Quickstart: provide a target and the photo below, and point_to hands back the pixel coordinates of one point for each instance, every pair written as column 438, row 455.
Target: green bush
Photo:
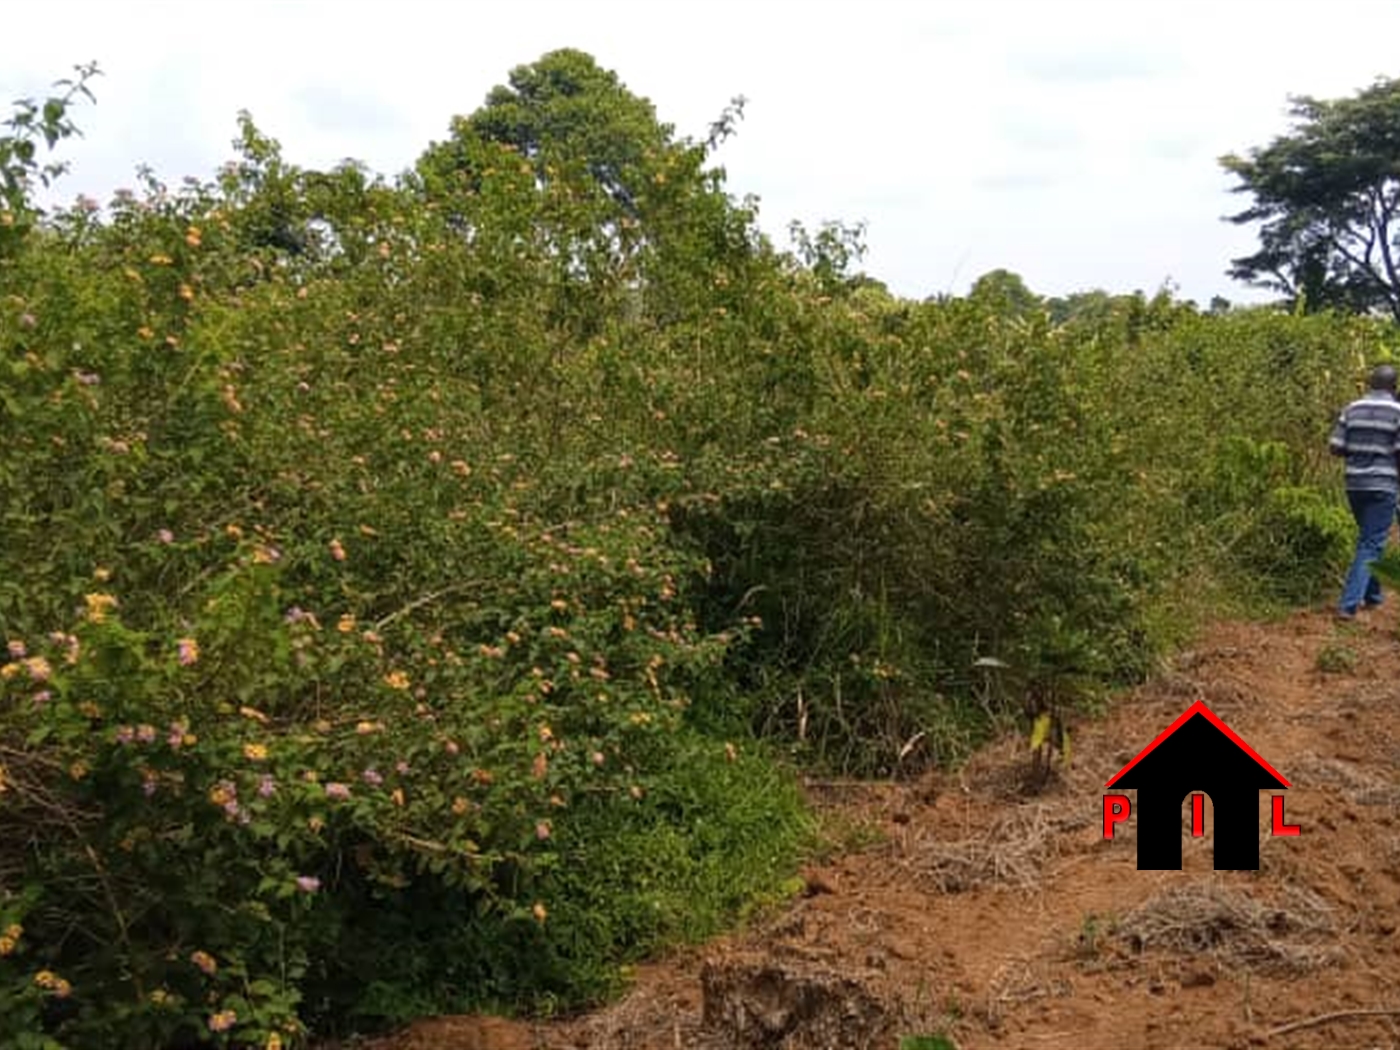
column 283, row 796
column 415, row 590
column 1300, row 545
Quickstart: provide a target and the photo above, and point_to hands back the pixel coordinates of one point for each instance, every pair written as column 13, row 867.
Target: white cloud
column 1075, row 143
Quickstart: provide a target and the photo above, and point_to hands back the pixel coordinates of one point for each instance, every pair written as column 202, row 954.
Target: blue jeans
column 1373, row 512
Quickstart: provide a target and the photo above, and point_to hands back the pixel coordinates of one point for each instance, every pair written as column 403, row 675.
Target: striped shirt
column 1367, row 433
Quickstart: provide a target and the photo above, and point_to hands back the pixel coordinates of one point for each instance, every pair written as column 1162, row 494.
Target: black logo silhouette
column 1196, row 753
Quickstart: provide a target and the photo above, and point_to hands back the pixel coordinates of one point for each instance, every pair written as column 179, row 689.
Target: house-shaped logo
column 1196, row 753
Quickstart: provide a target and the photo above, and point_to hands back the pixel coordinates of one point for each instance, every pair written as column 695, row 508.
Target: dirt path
column 1009, row 922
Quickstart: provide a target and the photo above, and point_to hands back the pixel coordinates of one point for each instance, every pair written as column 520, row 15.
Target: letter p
column 1116, row 809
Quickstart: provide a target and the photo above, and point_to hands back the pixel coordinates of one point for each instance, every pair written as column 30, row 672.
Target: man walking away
column 1367, row 434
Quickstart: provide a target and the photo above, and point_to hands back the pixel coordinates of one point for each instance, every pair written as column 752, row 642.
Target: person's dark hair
column 1383, row 378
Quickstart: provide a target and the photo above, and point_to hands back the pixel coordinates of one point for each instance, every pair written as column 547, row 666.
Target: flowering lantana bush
column 207, row 816
column 310, row 719
column 402, row 583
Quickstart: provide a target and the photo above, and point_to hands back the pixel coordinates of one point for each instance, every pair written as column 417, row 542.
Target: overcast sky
column 1072, row 142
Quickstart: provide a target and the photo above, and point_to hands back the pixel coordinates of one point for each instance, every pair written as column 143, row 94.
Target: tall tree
column 565, row 108
column 617, row 199
column 1327, row 195
column 1005, row 292
column 579, row 131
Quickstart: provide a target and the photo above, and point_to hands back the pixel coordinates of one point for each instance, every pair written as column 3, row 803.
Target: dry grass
column 1013, row 851
column 1019, row 981
column 633, row 1022
column 1355, row 784
column 1207, row 918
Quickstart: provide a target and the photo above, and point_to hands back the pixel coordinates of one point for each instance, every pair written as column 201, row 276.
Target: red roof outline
column 1198, row 708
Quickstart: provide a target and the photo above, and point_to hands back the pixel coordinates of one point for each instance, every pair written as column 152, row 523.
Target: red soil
column 1003, row 919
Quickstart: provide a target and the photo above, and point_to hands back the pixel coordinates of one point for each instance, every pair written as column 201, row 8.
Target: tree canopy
column 604, row 187
column 1327, row 195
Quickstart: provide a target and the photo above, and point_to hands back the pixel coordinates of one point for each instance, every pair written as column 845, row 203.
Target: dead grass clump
column 1019, row 981
column 637, row 1021
column 1196, row 659
column 754, row 1001
column 1231, row 697
column 1206, row 918
column 1278, row 858
column 1352, row 782
column 1013, row 851
column 1388, row 853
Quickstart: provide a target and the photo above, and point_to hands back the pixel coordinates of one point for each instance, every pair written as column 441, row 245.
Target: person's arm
column 1337, row 443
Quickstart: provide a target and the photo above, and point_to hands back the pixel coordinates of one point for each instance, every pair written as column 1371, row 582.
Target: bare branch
column 1340, row 1015
column 1386, row 209
column 426, row 599
column 1363, row 265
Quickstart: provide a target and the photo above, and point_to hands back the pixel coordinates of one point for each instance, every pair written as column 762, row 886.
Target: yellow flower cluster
column 98, row 605
column 9, row 940
column 220, row 796
column 205, row 962
column 39, row 669
column 52, row 982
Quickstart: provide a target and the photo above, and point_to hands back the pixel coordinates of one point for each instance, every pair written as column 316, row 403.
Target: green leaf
column 39, row 734
column 927, row 1042
column 1040, row 732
